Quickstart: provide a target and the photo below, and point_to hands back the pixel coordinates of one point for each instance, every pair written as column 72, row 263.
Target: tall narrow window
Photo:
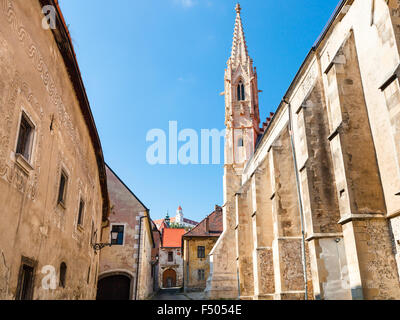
column 80, row 212
column 26, row 280
column 62, row 188
column 120, row 238
column 200, row 274
column 63, row 274
column 88, row 276
column 240, row 142
column 170, row 256
column 240, row 91
column 201, row 252
column 25, row 137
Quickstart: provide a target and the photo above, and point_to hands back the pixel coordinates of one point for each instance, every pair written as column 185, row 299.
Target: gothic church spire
column 239, row 46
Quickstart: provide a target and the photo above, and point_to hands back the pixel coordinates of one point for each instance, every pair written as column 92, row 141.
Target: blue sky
column 145, row 63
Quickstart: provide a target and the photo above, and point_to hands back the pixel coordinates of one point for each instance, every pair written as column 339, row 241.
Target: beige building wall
column 176, row 265
column 36, row 230
column 146, row 277
column 191, row 262
column 132, row 258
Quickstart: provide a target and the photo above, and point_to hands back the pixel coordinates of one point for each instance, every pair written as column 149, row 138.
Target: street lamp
column 99, row 246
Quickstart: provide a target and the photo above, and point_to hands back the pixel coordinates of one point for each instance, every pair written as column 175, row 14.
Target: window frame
column 201, row 274
column 240, row 142
column 201, row 252
column 32, row 264
column 31, row 138
column 81, row 213
column 123, row 233
column 170, row 254
column 240, row 91
column 62, row 279
column 63, row 200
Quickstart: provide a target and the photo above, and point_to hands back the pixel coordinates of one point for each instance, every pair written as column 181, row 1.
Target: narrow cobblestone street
column 177, row 294
column 170, row 294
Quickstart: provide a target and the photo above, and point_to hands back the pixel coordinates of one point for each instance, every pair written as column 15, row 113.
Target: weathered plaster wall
column 146, row 279
column 128, row 211
column 33, row 79
column 192, row 263
column 343, row 110
column 176, row 264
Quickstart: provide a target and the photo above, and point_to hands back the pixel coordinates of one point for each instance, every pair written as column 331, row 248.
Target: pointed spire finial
column 239, row 46
column 238, row 8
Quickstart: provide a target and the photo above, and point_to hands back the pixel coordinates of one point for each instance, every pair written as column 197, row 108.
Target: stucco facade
column 170, row 262
column 46, row 132
column 130, row 254
column 312, row 207
column 196, row 246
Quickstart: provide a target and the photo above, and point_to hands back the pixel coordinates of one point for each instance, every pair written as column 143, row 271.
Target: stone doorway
column 116, row 287
column 169, row 278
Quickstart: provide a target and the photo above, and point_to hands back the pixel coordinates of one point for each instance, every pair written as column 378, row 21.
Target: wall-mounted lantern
column 99, row 246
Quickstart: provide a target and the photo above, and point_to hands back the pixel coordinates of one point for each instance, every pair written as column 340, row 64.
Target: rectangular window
column 201, row 252
column 62, row 188
column 25, row 137
column 170, row 256
column 80, row 213
column 200, row 274
column 26, row 280
column 120, row 238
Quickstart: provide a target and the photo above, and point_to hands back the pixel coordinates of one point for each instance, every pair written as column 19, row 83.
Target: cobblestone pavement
column 170, row 294
column 177, row 294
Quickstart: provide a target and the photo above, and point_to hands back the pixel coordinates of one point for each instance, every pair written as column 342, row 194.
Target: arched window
column 240, row 91
column 63, row 274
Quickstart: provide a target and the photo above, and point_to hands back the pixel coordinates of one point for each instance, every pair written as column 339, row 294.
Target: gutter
column 138, row 261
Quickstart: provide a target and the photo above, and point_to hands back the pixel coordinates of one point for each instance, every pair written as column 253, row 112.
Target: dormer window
column 240, row 91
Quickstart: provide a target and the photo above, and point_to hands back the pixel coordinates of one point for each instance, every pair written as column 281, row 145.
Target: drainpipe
column 138, row 262
column 300, row 202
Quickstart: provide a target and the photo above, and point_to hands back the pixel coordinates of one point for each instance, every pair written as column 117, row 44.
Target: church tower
column 242, row 122
column 179, row 216
column 242, row 119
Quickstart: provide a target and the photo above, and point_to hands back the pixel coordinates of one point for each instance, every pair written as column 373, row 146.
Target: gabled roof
column 172, row 238
column 211, row 226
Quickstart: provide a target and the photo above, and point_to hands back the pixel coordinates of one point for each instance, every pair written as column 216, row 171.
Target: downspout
column 300, row 202
column 138, row 262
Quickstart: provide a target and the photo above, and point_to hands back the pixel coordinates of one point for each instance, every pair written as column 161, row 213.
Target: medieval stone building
column 312, row 198
column 126, row 269
column 53, row 187
column 171, row 258
column 196, row 246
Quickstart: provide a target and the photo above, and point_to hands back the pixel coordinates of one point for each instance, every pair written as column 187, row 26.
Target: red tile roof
column 211, row 226
column 172, row 238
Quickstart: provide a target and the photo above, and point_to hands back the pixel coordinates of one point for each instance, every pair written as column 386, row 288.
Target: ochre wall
column 33, row 79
